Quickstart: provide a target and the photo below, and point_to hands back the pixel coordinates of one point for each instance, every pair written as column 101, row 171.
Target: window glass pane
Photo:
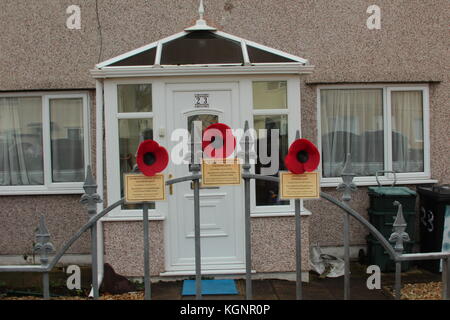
column 21, row 152
column 67, row 140
column 201, row 47
column 134, row 98
column 131, row 133
column 142, row 59
column 261, row 56
column 352, row 122
column 270, row 95
column 407, row 131
column 267, row 191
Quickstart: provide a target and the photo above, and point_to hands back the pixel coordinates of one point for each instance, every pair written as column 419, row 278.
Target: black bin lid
column 439, row 193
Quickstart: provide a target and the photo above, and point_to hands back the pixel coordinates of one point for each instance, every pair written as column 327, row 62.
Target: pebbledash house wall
column 38, row 52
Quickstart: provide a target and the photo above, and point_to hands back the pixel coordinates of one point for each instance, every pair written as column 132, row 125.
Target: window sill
column 333, row 184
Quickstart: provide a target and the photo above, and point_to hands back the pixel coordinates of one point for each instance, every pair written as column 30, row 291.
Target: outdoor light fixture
column 151, row 158
column 218, row 141
column 302, row 156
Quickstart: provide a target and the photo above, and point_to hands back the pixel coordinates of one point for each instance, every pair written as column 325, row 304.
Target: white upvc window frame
column 50, row 187
column 294, row 123
column 385, row 179
column 112, row 117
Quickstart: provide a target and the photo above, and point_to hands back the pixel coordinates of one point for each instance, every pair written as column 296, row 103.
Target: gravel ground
column 420, row 291
column 126, row 296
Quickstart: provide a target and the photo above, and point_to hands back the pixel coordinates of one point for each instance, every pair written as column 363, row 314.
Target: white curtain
column 407, row 131
column 352, row 122
column 21, row 161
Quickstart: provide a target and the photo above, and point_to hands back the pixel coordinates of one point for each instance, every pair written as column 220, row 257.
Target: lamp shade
column 302, row 156
column 151, row 158
column 218, row 141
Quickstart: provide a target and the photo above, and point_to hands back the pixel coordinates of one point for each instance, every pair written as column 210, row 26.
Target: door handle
column 170, row 186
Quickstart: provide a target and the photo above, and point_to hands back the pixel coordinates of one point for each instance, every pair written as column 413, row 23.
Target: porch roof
column 197, row 48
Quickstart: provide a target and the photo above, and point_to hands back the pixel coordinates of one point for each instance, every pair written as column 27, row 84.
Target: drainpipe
column 99, row 105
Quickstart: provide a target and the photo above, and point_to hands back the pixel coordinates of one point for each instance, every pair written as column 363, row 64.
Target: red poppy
column 218, row 141
column 151, row 158
column 302, row 156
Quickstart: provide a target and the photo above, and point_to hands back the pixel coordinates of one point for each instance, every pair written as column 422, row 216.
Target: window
column 269, row 114
column 382, row 128
column 42, row 143
column 135, row 124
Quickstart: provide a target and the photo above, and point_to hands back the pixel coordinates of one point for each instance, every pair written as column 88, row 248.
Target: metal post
column 248, row 243
column 248, row 228
column 45, row 286
column 398, row 280
column 346, row 256
column 91, row 199
column 347, row 186
column 198, row 256
column 445, row 279
column 298, row 249
column 147, row 285
column 94, row 261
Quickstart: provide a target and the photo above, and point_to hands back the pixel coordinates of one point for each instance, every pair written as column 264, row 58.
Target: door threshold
column 217, row 272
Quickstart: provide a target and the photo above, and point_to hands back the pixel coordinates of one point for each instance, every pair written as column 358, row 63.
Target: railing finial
column 399, row 234
column 347, row 185
column 90, row 197
column 43, row 245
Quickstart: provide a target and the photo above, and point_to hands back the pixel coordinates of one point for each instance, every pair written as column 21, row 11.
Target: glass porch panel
column 267, row 191
column 407, row 131
column 201, row 47
column 134, row 98
column 21, row 148
column 270, row 95
column 131, row 133
column 67, row 140
column 352, row 122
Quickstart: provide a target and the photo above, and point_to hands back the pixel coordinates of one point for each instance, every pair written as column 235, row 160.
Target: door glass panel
column 206, row 119
column 134, row 98
column 131, row 133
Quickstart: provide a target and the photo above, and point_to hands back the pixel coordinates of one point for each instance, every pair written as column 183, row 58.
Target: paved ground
column 317, row 289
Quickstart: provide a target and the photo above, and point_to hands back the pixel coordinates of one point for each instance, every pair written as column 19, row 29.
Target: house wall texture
column 38, row 51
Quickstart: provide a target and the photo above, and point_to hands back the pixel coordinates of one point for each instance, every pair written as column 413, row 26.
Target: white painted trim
column 99, row 107
column 149, row 71
column 402, row 178
column 49, row 187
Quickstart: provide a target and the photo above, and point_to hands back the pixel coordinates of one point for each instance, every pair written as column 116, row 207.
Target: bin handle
column 384, row 171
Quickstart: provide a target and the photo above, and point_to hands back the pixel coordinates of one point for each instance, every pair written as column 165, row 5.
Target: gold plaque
column 299, row 186
column 221, row 172
column 141, row 188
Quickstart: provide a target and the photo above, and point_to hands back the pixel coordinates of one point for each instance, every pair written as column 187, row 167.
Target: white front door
column 221, row 209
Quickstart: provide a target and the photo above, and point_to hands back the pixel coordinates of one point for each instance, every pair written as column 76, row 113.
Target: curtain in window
column 21, row 157
column 407, row 131
column 352, row 122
